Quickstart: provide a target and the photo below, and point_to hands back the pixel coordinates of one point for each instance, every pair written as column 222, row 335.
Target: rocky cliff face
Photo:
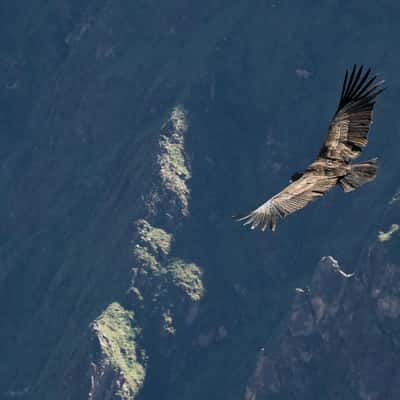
column 130, row 133
column 340, row 339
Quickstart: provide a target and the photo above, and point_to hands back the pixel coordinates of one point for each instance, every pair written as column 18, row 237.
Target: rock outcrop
column 340, row 338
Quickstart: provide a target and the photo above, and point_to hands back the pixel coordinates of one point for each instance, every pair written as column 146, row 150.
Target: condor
column 347, row 135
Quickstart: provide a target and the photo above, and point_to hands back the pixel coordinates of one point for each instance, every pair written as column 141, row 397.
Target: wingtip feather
column 357, row 87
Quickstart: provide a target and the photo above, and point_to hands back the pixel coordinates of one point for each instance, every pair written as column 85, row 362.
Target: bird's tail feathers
column 359, row 175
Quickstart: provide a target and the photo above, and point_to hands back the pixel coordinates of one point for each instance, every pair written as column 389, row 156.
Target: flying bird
column 347, row 136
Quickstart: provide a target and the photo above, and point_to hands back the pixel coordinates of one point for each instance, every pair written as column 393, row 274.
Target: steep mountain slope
column 130, row 135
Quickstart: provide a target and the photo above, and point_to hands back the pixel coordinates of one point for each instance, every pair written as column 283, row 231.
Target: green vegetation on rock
column 157, row 239
column 145, row 258
column 155, row 242
column 117, row 338
column 168, row 322
column 187, row 276
column 173, row 166
column 385, row 236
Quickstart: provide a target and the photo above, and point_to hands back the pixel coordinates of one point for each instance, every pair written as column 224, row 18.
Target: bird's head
column 295, row 176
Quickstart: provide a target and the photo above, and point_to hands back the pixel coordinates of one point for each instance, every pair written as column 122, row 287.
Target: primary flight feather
column 347, row 135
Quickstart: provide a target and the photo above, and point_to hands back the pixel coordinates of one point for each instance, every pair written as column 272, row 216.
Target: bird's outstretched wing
column 294, row 197
column 348, row 130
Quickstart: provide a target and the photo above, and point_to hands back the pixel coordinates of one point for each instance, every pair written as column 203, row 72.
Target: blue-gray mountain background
column 130, row 132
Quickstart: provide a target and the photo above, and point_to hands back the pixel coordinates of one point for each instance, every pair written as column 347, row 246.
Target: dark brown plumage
column 347, row 135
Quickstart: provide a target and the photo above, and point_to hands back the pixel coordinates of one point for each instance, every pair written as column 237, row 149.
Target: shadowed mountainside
column 130, row 133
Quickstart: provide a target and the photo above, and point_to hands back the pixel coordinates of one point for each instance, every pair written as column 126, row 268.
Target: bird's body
column 328, row 167
column 347, row 135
